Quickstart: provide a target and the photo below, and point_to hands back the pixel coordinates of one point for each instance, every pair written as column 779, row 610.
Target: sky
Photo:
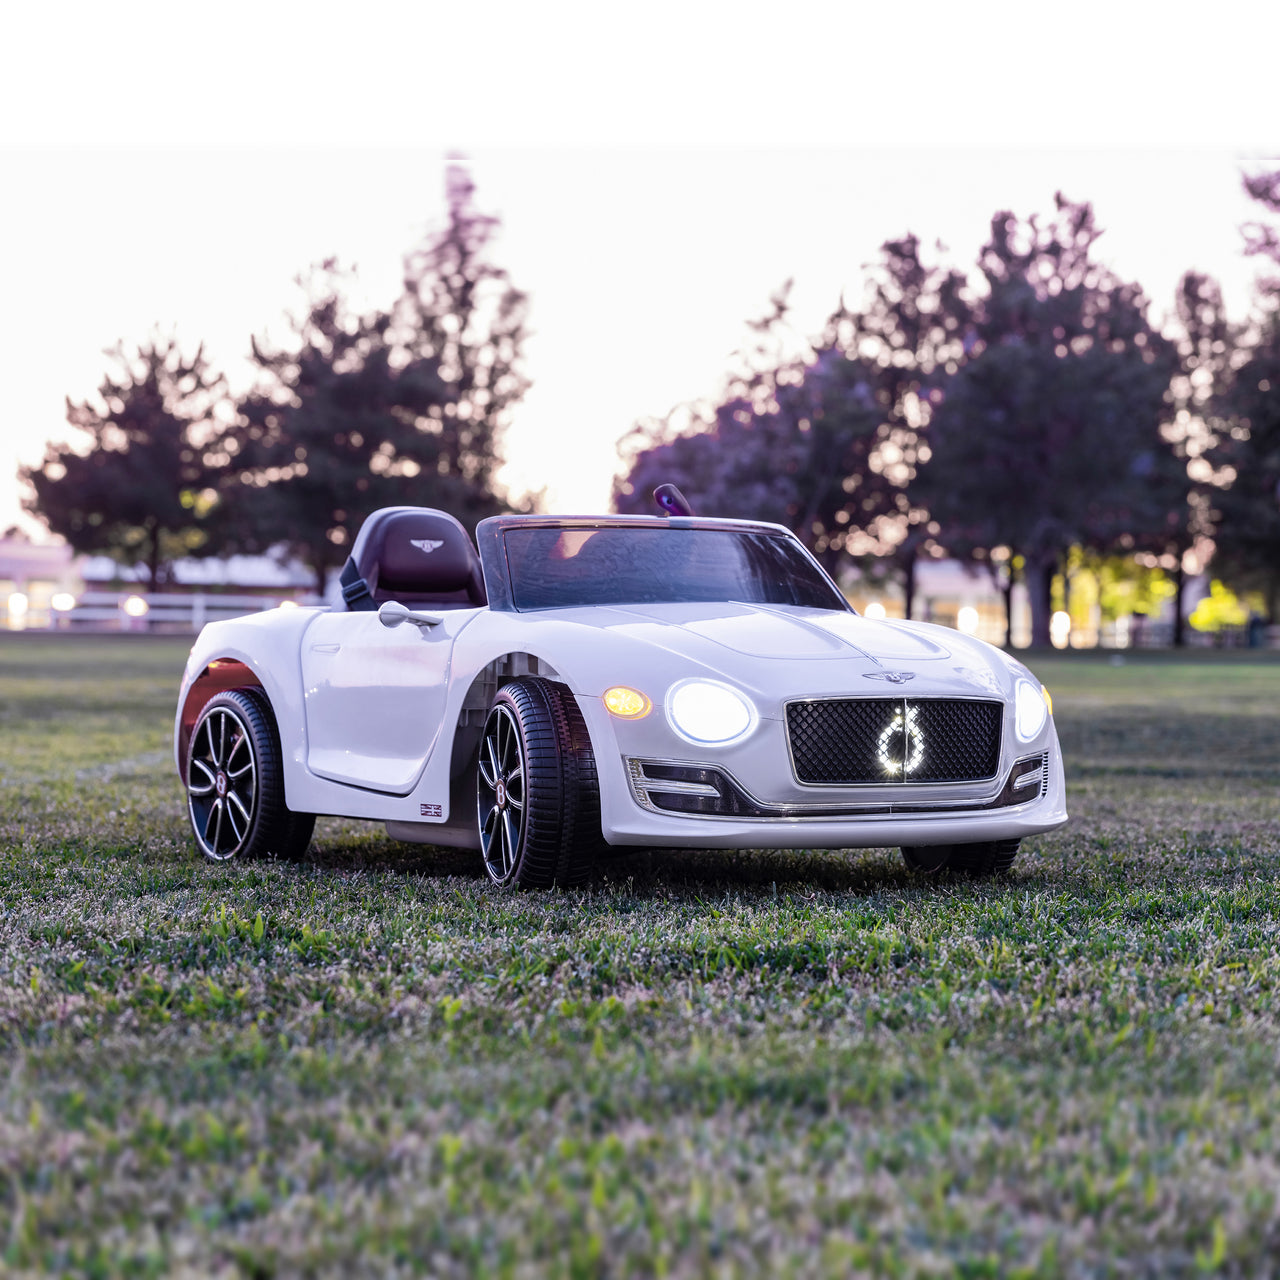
column 659, row 172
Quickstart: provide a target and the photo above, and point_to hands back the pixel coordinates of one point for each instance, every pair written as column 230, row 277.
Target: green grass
column 747, row 1063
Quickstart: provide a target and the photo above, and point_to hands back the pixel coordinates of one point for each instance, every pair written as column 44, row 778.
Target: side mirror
column 393, row 613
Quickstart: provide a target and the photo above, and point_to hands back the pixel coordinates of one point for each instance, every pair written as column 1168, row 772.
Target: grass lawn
column 746, row 1063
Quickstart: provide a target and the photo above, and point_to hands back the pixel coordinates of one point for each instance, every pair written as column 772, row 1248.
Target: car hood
column 760, row 631
column 777, row 652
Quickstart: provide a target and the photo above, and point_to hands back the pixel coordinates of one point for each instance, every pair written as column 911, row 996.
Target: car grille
column 851, row 740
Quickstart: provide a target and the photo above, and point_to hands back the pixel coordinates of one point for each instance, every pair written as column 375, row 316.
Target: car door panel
column 375, row 697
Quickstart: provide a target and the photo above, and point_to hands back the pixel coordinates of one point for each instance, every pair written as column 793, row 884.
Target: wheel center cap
column 220, row 783
column 502, row 794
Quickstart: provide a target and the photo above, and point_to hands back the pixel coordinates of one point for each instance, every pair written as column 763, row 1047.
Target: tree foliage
column 910, row 330
column 1262, row 237
column 1243, row 459
column 1023, row 419
column 1246, row 454
column 461, row 311
column 404, row 406
column 140, row 492
column 1048, row 435
column 826, row 442
column 800, row 458
column 340, row 424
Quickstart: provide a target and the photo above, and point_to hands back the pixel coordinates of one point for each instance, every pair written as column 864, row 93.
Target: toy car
column 587, row 683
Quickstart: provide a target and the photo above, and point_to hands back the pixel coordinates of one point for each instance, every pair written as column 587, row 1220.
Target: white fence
column 157, row 611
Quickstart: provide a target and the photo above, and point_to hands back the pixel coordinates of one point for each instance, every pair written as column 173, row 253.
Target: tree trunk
column 153, row 559
column 1064, row 564
column 909, row 583
column 1038, row 575
column 1003, row 583
column 1179, row 622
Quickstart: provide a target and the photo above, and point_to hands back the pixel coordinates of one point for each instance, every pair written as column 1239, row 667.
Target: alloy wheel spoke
column 234, row 803
column 214, row 821
column 208, row 820
column 508, row 844
column 206, row 784
column 511, row 754
column 489, row 763
column 212, row 746
column 500, row 743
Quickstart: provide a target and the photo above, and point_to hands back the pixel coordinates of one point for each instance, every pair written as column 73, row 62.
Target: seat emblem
column 426, row 544
column 893, row 677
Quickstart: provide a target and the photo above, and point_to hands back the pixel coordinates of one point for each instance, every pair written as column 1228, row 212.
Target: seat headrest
column 421, row 551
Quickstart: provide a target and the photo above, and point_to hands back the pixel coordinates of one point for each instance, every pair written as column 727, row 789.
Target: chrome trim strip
column 1020, row 773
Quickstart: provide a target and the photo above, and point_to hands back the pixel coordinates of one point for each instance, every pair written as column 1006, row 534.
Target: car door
column 375, row 696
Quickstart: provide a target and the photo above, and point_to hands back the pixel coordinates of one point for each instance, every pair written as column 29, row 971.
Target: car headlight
column 1030, row 710
column 705, row 711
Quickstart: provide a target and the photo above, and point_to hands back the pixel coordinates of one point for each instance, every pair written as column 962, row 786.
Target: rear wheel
column 537, row 796
column 987, row 858
column 235, row 784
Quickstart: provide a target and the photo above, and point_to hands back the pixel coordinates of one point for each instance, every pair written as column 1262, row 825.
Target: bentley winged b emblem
column 893, row 677
column 426, row 544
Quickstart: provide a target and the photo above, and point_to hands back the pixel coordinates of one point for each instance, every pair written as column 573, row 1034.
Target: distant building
column 32, row 575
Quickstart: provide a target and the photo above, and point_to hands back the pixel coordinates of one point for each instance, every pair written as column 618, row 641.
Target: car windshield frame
column 536, row 564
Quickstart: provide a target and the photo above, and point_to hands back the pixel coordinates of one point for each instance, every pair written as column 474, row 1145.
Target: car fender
column 267, row 645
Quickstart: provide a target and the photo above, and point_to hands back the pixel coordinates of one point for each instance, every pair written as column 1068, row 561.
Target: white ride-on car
column 609, row 681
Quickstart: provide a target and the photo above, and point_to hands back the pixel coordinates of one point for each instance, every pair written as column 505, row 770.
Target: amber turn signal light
column 626, row 704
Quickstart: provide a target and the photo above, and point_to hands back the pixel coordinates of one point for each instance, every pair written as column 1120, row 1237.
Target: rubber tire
column 273, row 827
column 987, row 858
column 560, row 839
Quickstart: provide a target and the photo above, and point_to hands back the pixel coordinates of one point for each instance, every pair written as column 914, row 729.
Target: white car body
column 382, row 722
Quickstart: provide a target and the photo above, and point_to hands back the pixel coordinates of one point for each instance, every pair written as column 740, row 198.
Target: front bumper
column 685, row 807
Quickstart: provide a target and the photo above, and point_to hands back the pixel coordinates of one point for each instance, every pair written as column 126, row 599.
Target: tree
column 141, row 493
column 802, row 458
column 910, row 330
column 341, row 424
column 825, row 442
column 1206, row 346
column 1246, row 454
column 462, row 312
column 402, row 406
column 1244, row 458
column 1261, row 237
column 1048, row 436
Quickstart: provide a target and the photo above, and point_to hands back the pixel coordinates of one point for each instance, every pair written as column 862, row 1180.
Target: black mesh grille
column 850, row 740
column 837, row 740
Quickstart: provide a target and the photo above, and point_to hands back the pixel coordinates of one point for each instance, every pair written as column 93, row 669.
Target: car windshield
column 560, row 568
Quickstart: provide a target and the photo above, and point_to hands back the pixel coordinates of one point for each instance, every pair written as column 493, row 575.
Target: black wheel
column 537, row 796
column 235, row 785
column 988, row 858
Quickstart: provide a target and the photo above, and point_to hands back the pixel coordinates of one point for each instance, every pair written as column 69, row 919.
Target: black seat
column 415, row 555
